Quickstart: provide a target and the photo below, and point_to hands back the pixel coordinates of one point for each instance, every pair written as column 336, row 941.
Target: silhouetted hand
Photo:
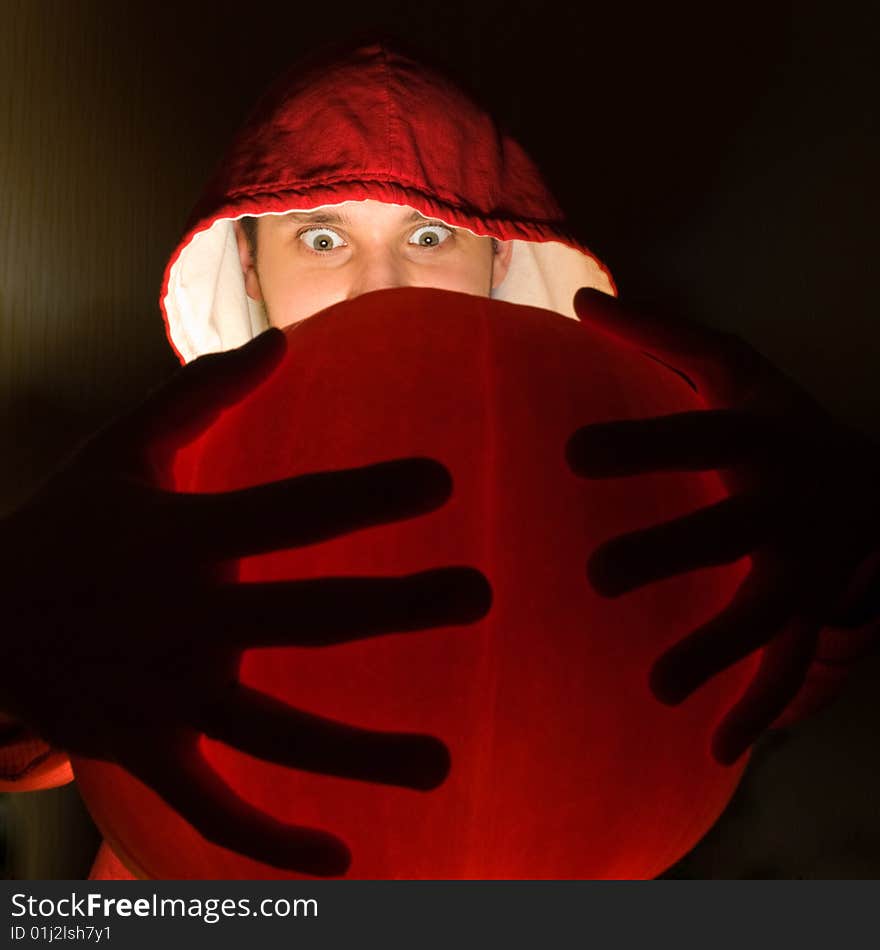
column 804, row 505
column 121, row 641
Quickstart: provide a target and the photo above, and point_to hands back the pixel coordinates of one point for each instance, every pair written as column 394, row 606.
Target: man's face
column 307, row 261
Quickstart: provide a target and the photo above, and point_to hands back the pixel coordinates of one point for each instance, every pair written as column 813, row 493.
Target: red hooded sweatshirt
column 372, row 125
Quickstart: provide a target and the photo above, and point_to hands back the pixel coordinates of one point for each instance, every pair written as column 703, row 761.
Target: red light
column 563, row 765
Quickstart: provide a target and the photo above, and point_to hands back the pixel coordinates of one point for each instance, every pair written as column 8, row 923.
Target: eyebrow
column 334, row 217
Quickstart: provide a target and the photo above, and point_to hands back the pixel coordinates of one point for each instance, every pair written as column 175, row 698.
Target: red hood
column 373, row 124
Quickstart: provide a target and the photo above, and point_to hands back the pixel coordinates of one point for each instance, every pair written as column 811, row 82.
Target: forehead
column 351, row 213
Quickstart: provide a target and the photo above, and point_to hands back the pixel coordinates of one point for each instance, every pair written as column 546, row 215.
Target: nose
column 378, row 271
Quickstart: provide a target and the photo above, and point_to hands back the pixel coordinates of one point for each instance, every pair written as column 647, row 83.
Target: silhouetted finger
column 339, row 609
column 763, row 605
column 682, row 442
column 269, row 729
column 174, row 768
column 718, row 534
column 184, row 406
column 781, row 674
column 306, row 509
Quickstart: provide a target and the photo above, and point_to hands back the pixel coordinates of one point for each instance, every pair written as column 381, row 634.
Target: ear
column 501, row 262
column 248, row 263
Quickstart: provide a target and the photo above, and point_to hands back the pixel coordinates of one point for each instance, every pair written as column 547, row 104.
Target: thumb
column 722, row 366
column 194, row 397
column 664, row 336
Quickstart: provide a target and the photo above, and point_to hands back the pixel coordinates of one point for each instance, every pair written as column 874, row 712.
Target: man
column 364, row 173
column 311, row 260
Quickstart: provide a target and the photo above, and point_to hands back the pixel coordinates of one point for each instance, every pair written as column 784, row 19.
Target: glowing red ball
column 563, row 765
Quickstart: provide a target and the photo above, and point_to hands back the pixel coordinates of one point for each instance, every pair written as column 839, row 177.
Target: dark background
column 719, row 157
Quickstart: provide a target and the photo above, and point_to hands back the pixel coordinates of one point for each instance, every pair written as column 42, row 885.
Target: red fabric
column 108, row 867
column 27, row 763
column 376, row 124
column 563, row 763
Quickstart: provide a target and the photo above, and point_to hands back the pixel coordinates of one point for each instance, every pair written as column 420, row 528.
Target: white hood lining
column 208, row 309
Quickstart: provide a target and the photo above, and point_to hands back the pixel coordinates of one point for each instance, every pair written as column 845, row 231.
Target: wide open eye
column 430, row 235
column 321, row 239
